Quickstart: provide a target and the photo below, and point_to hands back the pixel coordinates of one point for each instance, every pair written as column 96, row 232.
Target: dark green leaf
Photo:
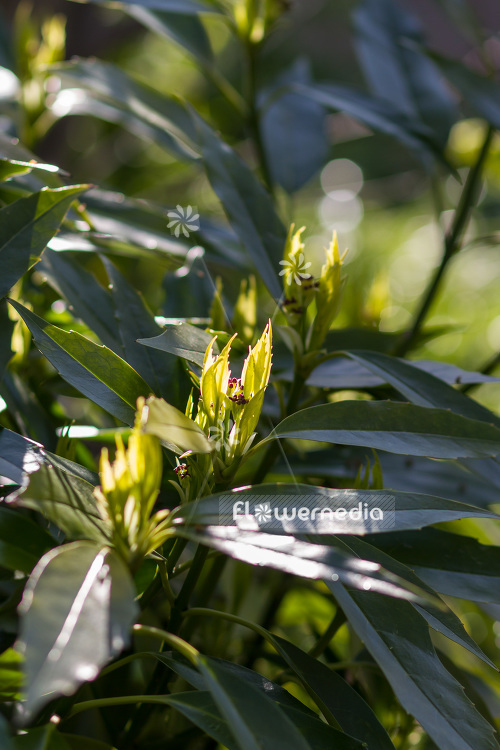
column 334, row 696
column 182, row 340
column 22, row 402
column 248, row 206
column 393, row 427
column 41, row 738
column 387, row 42
column 344, row 374
column 421, row 387
column 428, row 476
column 77, row 742
column 293, row 128
column 6, row 330
column 108, row 93
column 86, row 297
column 27, row 226
column 5, row 737
column 400, row 510
column 299, row 558
column 184, row 28
column 66, row 500
column 256, row 722
column 18, row 456
column 441, row 618
column 380, row 116
column 76, row 614
column 22, row 541
column 94, row 370
column 399, row 641
column 135, row 321
column 452, row 564
column 319, row 734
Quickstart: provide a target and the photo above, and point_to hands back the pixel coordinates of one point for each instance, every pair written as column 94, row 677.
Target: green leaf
column 77, row 742
column 108, row 93
column 378, row 115
column 65, row 500
column 334, row 696
column 299, row 558
column 86, row 298
column 184, row 28
column 249, row 208
column 348, row 373
column 171, row 426
column 5, row 738
column 183, row 340
column 11, row 677
column 422, row 388
column 400, row 510
column 426, row 476
column 6, row 331
column 22, row 541
column 41, row 738
column 442, row 618
column 135, row 321
column 76, row 614
column 20, row 456
column 12, row 167
column 319, row 734
column 393, row 427
column 387, row 41
column 27, row 226
column 293, row 129
column 398, row 639
column 256, row 722
column 94, row 370
column 452, row 564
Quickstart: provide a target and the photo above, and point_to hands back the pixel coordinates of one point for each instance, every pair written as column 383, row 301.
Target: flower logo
column 263, row 512
column 218, row 435
column 294, row 269
column 183, row 220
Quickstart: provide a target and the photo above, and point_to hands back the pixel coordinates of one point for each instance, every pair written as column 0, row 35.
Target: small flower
column 263, row 512
column 183, row 220
column 294, row 268
column 182, row 471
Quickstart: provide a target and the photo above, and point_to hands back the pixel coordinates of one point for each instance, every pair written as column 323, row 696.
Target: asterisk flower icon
column 294, row 268
column 263, row 512
column 183, row 220
column 222, row 438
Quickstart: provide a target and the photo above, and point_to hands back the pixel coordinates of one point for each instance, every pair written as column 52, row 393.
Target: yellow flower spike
column 257, row 366
column 328, row 295
column 214, row 380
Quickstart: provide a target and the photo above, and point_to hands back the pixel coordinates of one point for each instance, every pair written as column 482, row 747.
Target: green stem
column 253, row 114
column 271, row 453
column 161, row 675
column 324, row 641
column 452, row 243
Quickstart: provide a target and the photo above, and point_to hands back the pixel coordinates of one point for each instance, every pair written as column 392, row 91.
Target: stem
column 452, row 243
column 273, row 450
column 253, row 114
column 323, row 642
column 161, row 674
